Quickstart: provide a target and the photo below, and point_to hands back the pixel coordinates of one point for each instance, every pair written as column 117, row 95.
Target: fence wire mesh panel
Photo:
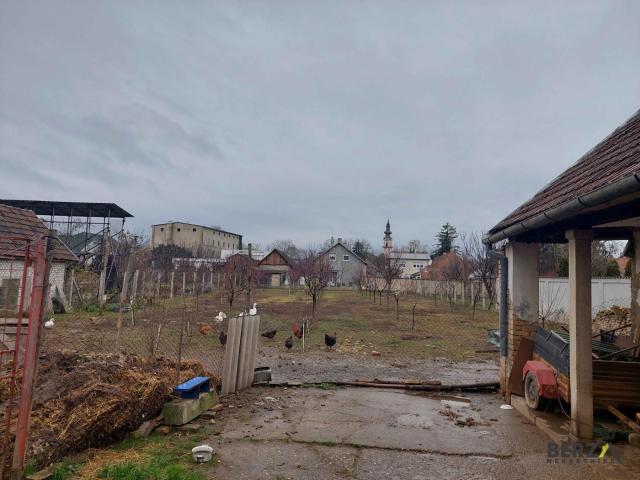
column 413, row 335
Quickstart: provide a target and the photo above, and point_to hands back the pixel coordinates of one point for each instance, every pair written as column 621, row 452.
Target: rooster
column 298, row 330
column 330, row 340
column 223, row 338
column 289, row 342
column 204, row 329
column 270, row 333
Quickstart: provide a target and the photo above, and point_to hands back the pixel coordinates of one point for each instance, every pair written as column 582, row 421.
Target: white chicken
column 254, row 310
column 220, row 317
column 49, row 323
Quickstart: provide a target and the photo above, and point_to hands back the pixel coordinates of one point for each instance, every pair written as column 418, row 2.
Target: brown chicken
column 204, row 329
column 223, row 338
column 298, row 330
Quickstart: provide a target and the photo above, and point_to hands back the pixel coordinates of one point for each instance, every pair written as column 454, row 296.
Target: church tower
column 388, row 242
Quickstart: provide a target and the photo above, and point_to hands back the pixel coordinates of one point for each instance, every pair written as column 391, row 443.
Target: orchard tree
column 316, row 273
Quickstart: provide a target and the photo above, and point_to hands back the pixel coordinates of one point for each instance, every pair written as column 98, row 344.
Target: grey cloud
column 306, row 119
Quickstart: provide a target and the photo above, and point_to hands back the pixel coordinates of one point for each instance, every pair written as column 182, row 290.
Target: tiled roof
column 613, row 159
column 17, row 222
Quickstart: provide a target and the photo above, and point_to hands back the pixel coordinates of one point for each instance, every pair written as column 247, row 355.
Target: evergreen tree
column 446, row 240
column 563, row 267
column 613, row 269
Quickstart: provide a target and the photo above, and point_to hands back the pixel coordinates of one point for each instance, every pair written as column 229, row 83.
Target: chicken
column 223, row 338
column 49, row 323
column 330, row 340
column 270, row 333
column 204, row 329
column 220, row 317
column 254, row 309
column 298, row 330
column 289, row 342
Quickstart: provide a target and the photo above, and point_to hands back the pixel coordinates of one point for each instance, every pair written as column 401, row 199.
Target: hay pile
column 84, row 401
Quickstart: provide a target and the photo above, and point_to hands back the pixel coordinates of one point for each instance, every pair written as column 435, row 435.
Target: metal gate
column 24, row 283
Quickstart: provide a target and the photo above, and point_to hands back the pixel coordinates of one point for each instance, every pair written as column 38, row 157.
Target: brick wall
column 10, row 281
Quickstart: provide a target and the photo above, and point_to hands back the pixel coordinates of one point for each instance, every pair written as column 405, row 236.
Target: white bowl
column 201, row 453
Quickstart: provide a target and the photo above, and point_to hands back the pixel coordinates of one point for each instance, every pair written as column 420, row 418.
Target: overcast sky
column 306, row 119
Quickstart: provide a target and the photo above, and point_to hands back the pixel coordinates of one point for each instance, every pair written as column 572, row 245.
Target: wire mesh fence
column 179, row 329
column 409, row 336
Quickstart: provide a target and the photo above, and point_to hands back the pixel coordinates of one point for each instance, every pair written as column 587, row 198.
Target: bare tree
column 481, row 264
column 236, row 275
column 452, row 274
column 360, row 281
column 388, row 270
column 316, row 272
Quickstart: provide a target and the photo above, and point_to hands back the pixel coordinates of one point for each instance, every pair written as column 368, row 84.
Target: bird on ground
column 223, row 338
column 330, row 340
column 49, row 323
column 204, row 329
column 270, row 333
column 241, row 314
column 289, row 342
column 220, row 317
column 254, row 309
column 298, row 330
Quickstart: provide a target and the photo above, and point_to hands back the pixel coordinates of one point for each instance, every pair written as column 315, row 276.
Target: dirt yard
column 346, row 433
column 444, row 344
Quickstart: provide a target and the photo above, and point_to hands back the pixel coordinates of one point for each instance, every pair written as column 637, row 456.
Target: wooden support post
column 184, row 282
column 580, row 360
column 203, row 284
column 173, row 274
column 158, row 285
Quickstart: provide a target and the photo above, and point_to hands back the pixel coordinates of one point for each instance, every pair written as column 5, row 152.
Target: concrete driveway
column 362, row 433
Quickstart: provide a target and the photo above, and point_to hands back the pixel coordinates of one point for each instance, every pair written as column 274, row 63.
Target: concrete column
column 580, row 368
column 523, row 292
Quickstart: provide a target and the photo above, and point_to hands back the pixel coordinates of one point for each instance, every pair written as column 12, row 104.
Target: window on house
column 178, row 229
column 345, row 258
column 194, row 229
column 332, row 257
column 162, row 229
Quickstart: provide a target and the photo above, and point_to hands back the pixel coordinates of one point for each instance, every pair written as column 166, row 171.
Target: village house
column 345, row 265
column 21, row 223
column 275, row 267
column 201, row 240
column 597, row 198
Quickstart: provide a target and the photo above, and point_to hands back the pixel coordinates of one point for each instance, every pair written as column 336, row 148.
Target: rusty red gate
column 24, row 284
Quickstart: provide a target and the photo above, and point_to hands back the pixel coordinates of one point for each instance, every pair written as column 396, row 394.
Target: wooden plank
column 525, row 353
column 624, row 419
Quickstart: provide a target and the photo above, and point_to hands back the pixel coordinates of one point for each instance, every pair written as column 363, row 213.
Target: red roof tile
column 17, row 222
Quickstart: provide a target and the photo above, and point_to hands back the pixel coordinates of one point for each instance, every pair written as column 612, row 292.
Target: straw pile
column 84, row 401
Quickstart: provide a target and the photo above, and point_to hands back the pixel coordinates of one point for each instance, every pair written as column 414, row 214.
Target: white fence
column 605, row 292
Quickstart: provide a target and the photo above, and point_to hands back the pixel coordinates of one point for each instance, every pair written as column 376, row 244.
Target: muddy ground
column 318, row 367
column 366, row 434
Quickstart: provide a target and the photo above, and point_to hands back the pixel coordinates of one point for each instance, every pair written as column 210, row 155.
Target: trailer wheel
column 531, row 395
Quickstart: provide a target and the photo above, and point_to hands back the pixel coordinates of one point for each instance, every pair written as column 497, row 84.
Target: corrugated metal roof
column 18, row 222
column 613, row 159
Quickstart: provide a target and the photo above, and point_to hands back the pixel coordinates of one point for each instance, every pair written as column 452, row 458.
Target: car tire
column 531, row 392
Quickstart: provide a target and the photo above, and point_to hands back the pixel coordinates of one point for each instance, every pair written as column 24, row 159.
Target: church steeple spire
column 388, row 242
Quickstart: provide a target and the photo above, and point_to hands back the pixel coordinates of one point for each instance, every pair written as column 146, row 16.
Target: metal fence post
column 184, row 282
column 171, row 290
column 37, row 311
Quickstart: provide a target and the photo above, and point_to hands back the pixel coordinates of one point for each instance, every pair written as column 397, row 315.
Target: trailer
column 616, row 371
